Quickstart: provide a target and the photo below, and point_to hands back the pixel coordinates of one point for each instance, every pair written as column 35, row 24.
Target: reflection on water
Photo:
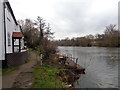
column 101, row 66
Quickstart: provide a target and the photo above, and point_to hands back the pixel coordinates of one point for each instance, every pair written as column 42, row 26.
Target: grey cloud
column 79, row 18
column 74, row 17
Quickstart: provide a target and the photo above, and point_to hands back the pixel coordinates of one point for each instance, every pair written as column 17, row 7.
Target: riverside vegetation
column 53, row 74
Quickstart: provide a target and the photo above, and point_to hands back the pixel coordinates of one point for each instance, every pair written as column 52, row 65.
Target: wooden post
column 76, row 60
column 41, row 56
column 71, row 57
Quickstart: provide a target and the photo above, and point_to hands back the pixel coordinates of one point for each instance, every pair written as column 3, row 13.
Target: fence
column 70, row 57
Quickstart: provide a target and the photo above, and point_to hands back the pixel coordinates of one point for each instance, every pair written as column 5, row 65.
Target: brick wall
column 15, row 59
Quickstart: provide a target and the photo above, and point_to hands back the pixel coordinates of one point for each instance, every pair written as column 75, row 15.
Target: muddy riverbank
column 70, row 71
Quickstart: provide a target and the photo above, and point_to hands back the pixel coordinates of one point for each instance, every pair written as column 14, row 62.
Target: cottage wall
column 2, row 46
column 10, row 28
column 9, row 58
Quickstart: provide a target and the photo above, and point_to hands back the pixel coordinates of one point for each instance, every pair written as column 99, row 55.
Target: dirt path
column 22, row 77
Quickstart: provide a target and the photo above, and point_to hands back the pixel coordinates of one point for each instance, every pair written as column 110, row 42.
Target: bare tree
column 48, row 34
column 110, row 29
column 40, row 23
column 39, row 36
column 112, row 36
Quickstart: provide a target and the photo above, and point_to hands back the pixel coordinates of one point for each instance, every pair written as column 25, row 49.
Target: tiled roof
column 17, row 34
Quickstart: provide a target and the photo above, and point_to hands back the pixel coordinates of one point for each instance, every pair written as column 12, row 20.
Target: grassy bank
column 45, row 77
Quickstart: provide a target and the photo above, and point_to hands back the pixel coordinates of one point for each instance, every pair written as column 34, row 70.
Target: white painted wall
column 10, row 28
column 2, row 46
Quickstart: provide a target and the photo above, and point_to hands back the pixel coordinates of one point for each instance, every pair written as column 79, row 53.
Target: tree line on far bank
column 110, row 38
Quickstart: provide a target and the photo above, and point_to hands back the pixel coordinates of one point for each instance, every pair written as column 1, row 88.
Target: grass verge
column 45, row 77
column 9, row 69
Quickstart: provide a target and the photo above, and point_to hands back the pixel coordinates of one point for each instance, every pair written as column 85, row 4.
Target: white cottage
column 11, row 37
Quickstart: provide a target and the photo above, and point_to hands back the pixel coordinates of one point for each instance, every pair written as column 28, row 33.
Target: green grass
column 45, row 77
column 37, row 52
column 30, row 49
column 9, row 69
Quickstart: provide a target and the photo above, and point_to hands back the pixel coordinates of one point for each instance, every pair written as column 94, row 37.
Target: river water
column 101, row 66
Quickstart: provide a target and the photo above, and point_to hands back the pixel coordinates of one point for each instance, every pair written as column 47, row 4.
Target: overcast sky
column 69, row 18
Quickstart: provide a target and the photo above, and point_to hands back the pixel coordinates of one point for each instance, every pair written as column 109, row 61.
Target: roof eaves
column 11, row 11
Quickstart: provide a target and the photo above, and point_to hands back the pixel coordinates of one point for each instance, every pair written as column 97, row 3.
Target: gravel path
column 22, row 77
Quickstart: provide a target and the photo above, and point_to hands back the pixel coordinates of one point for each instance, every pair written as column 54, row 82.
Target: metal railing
column 69, row 56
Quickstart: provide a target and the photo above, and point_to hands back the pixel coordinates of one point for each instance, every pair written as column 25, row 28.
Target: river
column 101, row 66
